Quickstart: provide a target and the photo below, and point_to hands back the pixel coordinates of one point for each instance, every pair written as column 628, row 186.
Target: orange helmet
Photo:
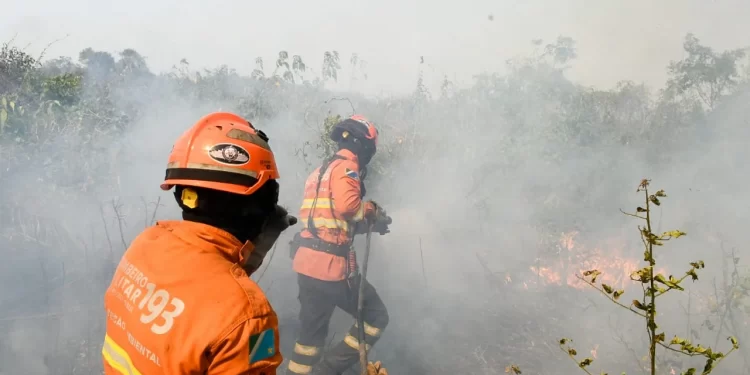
column 358, row 126
column 224, row 152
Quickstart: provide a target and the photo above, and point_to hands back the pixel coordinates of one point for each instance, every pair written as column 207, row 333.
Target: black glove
column 360, row 227
column 279, row 221
column 382, row 226
column 377, row 227
column 378, row 214
column 379, row 219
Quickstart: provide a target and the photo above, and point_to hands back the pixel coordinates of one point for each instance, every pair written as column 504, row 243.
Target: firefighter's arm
column 347, row 194
column 251, row 348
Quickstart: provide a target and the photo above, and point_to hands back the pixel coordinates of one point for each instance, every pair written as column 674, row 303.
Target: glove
column 376, row 369
column 376, row 213
column 361, row 227
column 379, row 219
column 382, row 226
column 378, row 227
column 279, row 221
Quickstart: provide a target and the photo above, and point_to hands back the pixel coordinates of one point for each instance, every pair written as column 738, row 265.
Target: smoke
column 481, row 184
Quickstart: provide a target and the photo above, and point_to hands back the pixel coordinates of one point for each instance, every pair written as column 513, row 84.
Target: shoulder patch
column 351, row 174
column 262, row 346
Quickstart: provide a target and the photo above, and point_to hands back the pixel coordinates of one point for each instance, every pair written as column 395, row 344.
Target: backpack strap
column 323, row 168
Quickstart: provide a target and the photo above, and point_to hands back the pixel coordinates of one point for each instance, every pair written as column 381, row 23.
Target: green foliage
column 327, row 146
column 331, row 65
column 323, row 145
column 654, row 285
column 703, row 73
column 15, row 68
column 513, row 369
column 8, row 111
column 101, row 62
column 561, row 52
column 358, row 67
column 27, row 93
column 289, row 72
column 131, row 63
column 64, row 89
column 258, row 72
column 532, row 110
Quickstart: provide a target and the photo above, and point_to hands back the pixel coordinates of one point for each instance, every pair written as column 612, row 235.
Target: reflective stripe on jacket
column 331, row 210
column 180, row 303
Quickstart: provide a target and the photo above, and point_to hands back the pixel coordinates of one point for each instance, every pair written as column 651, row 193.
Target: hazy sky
column 617, row 39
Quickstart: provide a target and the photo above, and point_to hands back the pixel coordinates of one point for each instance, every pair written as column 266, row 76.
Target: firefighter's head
column 224, row 174
column 357, row 135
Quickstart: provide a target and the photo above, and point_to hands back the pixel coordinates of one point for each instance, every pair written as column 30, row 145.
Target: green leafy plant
column 326, row 146
column 8, row 108
column 513, row 369
column 654, row 285
column 331, row 65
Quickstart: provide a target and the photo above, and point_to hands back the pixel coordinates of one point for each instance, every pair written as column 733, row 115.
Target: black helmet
column 358, row 127
column 358, row 135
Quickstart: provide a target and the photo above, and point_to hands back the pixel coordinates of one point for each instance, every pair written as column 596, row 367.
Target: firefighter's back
column 174, row 299
column 328, row 209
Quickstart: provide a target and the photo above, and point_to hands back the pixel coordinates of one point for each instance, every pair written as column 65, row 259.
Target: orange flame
column 575, row 259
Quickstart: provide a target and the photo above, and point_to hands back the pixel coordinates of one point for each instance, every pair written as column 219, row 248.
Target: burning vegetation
column 613, row 258
column 607, row 275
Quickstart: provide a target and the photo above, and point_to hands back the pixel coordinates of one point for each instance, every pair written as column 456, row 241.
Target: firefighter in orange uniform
column 181, row 301
column 332, row 212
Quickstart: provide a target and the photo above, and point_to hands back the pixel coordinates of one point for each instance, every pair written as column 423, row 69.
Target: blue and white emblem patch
column 352, row 174
column 262, row 346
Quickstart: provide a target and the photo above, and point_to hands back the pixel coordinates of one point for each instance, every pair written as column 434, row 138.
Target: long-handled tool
column 361, row 302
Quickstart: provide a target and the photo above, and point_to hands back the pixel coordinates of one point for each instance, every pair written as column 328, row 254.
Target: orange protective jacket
column 336, row 210
column 180, row 303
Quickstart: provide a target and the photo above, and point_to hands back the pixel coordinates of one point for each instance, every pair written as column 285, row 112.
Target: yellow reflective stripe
column 309, row 351
column 299, row 369
column 370, row 330
column 354, row 343
column 360, row 214
column 320, row 203
column 117, row 357
column 327, row 223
